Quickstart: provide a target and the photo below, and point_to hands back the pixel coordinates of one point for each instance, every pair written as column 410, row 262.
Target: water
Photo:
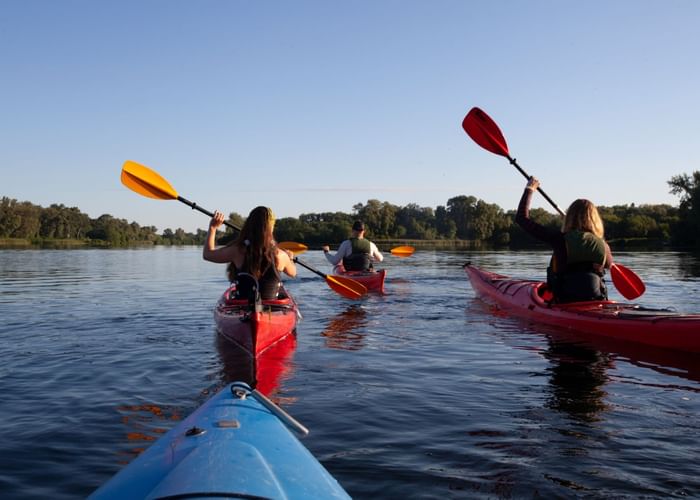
column 422, row 393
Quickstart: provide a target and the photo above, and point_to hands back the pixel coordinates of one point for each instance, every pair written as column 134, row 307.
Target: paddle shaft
column 194, row 206
column 304, row 264
column 527, row 176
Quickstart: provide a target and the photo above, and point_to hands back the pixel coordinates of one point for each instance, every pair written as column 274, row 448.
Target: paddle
column 346, row 287
column 484, row 131
column 293, row 246
column 403, row 251
column 151, row 184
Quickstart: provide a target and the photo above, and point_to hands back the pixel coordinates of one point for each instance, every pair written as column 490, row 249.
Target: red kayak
column 372, row 280
column 255, row 326
column 620, row 321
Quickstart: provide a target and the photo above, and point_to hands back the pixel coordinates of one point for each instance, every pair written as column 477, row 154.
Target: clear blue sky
column 314, row 106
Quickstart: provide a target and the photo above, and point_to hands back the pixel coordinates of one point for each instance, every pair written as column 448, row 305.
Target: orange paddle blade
column 626, row 281
column 293, row 246
column 404, row 251
column 346, row 287
column 146, row 182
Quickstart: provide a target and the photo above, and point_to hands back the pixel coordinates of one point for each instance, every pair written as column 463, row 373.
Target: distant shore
column 648, row 244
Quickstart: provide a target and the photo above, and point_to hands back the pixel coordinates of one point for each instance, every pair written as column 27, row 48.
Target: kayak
column 238, row 444
column 255, row 326
column 615, row 320
column 372, row 280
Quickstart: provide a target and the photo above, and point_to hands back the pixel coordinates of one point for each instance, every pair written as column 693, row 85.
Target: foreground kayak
column 255, row 326
column 234, row 446
column 372, row 280
column 620, row 321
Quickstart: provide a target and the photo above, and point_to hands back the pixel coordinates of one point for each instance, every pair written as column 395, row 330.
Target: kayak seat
column 245, row 288
column 244, row 292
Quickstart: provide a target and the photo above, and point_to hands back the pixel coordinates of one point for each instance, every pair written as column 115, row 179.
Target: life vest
column 582, row 277
column 267, row 286
column 358, row 260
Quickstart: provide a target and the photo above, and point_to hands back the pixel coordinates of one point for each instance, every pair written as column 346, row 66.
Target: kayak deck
column 236, row 445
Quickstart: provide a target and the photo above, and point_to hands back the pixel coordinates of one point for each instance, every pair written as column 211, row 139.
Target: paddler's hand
column 216, row 221
column 532, row 184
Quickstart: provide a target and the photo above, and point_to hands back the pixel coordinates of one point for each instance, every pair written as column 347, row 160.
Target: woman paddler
column 253, row 253
column 580, row 254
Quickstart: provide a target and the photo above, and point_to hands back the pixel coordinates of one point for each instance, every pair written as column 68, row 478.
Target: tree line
column 463, row 218
column 27, row 221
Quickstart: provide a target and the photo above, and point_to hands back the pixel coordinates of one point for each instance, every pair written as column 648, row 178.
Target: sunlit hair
column 257, row 242
column 583, row 215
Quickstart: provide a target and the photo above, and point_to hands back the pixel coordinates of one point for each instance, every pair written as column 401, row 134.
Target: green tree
column 688, row 188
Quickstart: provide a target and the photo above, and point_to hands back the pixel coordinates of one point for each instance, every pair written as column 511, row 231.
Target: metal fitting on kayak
column 240, row 390
column 194, row 431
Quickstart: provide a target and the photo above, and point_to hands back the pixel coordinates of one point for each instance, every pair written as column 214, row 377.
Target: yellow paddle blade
column 346, row 287
column 293, row 246
column 146, row 182
column 405, row 251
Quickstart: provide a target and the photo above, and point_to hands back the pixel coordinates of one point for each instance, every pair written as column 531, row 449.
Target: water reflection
column 583, row 348
column 681, row 364
column 689, row 264
column 144, row 424
column 345, row 330
column 577, row 378
column 263, row 373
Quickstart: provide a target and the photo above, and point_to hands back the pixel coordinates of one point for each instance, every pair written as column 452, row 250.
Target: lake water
column 422, row 393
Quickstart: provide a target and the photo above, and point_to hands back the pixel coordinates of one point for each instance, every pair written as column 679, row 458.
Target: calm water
column 422, row 393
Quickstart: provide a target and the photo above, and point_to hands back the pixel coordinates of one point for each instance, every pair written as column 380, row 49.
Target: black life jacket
column 267, row 286
column 582, row 277
column 359, row 259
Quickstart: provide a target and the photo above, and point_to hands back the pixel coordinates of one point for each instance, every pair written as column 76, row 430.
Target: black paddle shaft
column 525, row 174
column 194, row 206
column 304, row 264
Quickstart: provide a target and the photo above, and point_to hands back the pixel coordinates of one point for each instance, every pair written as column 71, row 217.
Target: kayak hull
column 233, row 446
column 610, row 319
column 372, row 280
column 255, row 328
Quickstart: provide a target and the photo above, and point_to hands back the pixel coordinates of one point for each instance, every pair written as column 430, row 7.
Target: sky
column 316, row 106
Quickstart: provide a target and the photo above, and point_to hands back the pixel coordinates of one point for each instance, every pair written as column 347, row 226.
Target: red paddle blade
column 626, row 281
column 484, row 131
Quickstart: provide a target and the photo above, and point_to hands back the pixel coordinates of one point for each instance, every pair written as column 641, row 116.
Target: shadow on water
column 263, row 373
column 344, row 331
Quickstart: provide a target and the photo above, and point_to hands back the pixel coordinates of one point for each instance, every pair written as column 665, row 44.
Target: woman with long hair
column 580, row 253
column 254, row 252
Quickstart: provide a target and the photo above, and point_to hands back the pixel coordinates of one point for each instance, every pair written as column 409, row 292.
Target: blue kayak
column 238, row 444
